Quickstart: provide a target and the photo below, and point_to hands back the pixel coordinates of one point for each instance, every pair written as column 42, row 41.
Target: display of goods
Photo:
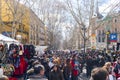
column 8, row 69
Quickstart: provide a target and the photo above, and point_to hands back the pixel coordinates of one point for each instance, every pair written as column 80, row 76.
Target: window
column 31, row 37
column 115, row 30
column 19, row 26
column 115, row 20
column 99, row 36
column 23, row 27
column 103, row 36
column 99, row 39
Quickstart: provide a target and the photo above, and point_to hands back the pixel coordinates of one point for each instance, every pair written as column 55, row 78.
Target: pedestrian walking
column 67, row 70
column 75, row 68
column 56, row 73
column 117, row 68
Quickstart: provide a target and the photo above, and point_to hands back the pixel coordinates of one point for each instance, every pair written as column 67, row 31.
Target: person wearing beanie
column 56, row 73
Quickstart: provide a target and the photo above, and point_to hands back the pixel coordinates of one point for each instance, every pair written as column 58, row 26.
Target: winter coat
column 101, row 62
column 67, row 72
column 75, row 71
column 117, row 70
column 89, row 63
column 56, row 75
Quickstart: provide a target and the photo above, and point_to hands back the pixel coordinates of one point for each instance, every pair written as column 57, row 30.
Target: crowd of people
column 61, row 65
column 24, row 63
column 14, row 60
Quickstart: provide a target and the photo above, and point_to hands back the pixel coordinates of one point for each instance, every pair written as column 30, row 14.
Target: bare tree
column 51, row 12
column 84, row 12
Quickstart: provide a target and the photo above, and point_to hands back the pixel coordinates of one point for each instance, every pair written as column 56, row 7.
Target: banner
column 93, row 41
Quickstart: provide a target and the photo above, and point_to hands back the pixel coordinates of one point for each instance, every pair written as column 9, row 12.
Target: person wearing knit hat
column 56, row 73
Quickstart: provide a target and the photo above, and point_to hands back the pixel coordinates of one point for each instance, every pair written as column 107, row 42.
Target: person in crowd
column 4, row 78
column 75, row 68
column 89, row 65
column 56, row 73
column 94, row 61
column 117, row 68
column 81, row 61
column 45, row 62
column 99, row 74
column 101, row 61
column 50, row 63
column 108, row 67
column 38, row 73
column 1, row 51
column 67, row 70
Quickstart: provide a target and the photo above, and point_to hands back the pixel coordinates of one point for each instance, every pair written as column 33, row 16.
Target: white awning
column 7, row 39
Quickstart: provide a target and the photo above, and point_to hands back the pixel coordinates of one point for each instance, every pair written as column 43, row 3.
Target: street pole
column 108, row 42
column 84, row 38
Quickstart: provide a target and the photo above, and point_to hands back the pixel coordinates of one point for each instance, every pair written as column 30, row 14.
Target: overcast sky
column 106, row 5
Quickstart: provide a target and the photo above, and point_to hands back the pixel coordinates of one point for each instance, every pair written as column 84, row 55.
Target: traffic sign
column 113, row 37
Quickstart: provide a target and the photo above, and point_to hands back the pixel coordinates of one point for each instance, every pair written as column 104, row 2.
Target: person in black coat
column 89, row 65
column 56, row 74
column 67, row 70
column 47, row 68
column 101, row 62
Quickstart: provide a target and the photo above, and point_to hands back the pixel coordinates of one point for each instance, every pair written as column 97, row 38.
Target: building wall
column 22, row 21
column 37, row 30
column 112, row 24
column 14, row 18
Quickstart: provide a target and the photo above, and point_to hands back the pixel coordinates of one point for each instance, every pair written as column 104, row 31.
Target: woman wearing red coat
column 75, row 71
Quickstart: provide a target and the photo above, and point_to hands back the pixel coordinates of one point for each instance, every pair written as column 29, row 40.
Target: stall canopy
column 7, row 39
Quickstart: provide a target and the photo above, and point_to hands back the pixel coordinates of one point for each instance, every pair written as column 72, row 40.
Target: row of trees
column 51, row 12
column 56, row 14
